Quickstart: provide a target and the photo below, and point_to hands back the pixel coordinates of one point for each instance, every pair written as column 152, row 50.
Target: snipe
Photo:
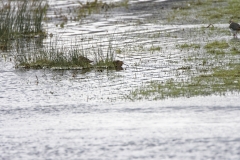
column 118, row 65
column 234, row 27
column 84, row 60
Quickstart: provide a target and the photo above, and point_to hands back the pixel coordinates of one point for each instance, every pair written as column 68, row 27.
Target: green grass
column 217, row 45
column 155, row 48
column 223, row 48
column 213, row 68
column 205, row 11
column 216, row 71
column 235, row 50
column 59, row 57
column 219, row 82
column 53, row 59
column 185, row 45
column 20, row 19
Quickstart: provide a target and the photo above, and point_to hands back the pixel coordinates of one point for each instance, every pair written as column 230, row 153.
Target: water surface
column 73, row 114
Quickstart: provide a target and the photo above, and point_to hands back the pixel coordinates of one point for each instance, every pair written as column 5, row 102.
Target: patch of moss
column 234, row 51
column 185, row 45
column 216, row 51
column 208, row 11
column 218, row 82
column 217, row 45
column 155, row 48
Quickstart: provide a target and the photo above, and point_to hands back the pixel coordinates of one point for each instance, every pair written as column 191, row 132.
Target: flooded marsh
column 123, row 79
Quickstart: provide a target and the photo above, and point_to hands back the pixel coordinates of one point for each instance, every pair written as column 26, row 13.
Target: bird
column 84, row 59
column 84, row 62
column 234, row 27
column 118, row 65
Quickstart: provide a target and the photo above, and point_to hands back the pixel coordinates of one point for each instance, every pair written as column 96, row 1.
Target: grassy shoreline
column 210, row 65
column 218, row 71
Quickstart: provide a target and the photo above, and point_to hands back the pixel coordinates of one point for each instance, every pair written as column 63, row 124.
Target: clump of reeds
column 20, row 18
column 58, row 56
column 52, row 56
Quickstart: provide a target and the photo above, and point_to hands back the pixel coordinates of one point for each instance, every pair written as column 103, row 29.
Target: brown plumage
column 84, row 60
column 234, row 27
column 118, row 64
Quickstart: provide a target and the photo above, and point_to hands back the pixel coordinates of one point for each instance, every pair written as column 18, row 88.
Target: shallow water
column 170, row 129
column 73, row 114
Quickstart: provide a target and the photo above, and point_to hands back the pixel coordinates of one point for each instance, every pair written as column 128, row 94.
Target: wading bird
column 118, row 65
column 234, row 27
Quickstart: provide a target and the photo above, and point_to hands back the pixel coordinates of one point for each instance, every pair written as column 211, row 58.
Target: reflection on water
column 123, row 131
column 73, row 114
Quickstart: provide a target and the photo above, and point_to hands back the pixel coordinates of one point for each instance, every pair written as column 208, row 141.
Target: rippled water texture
column 72, row 114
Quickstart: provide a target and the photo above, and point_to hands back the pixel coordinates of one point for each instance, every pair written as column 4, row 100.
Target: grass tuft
column 59, row 57
column 217, row 45
column 185, row 45
column 21, row 19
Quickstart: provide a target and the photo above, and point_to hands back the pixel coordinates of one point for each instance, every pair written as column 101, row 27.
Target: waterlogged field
column 175, row 97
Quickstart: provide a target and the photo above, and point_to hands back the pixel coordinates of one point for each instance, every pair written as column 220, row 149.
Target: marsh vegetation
column 212, row 64
column 192, row 60
column 58, row 104
column 204, row 11
column 22, row 31
column 21, row 19
column 61, row 56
